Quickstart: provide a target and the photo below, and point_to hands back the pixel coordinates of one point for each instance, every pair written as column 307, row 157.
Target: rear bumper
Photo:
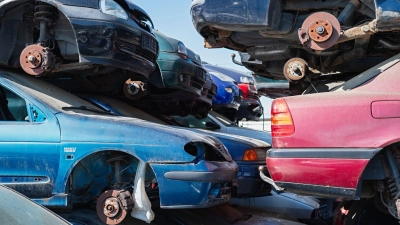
column 190, row 185
column 333, row 172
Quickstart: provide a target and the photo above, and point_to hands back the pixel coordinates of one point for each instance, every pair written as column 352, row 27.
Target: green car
column 178, row 81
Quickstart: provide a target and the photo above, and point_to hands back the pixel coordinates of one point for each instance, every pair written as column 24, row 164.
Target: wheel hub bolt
column 320, row 30
column 32, row 59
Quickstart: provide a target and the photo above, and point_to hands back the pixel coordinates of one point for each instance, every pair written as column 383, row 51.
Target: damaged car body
column 123, row 164
column 301, row 39
column 247, row 152
column 177, row 80
column 342, row 143
column 109, row 43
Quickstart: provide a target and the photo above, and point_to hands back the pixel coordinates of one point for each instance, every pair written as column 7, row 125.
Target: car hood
column 126, row 130
column 246, row 132
column 254, row 143
column 167, row 44
column 192, row 56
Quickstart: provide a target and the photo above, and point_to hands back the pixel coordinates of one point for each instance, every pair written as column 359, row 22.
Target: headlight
column 244, row 80
column 229, row 90
column 182, row 50
column 198, row 59
column 112, row 8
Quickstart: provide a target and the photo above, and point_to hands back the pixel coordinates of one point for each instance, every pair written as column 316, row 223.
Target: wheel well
column 18, row 30
column 376, row 171
column 97, row 172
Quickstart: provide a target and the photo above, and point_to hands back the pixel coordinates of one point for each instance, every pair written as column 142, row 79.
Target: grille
column 200, row 73
column 212, row 91
column 134, row 50
column 196, row 83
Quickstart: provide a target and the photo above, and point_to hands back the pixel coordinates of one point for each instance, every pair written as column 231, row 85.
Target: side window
column 198, row 123
column 12, row 106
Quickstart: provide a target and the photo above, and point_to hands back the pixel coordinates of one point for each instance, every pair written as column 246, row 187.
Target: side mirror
column 212, row 125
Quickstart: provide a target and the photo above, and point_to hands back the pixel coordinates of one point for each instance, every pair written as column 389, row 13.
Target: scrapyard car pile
column 340, row 144
column 106, row 111
column 82, row 153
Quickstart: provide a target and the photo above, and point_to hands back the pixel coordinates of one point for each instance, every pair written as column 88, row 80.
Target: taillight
column 252, row 88
column 281, row 119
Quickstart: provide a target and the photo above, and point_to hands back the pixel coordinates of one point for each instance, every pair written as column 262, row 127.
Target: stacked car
column 336, row 138
column 98, row 109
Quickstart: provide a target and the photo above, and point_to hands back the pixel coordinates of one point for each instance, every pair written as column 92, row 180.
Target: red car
column 344, row 143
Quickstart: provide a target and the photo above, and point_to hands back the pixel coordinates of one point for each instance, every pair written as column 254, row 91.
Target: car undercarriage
column 302, row 40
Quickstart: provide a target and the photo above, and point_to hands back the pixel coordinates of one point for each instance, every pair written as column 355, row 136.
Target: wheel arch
column 61, row 187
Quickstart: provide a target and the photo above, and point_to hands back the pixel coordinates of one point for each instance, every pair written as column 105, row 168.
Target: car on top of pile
column 103, row 44
column 302, row 38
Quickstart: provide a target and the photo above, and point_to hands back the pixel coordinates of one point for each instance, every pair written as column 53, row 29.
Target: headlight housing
column 112, row 8
column 182, row 50
column 229, row 90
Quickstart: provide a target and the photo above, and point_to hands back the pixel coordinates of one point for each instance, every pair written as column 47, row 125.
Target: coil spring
column 392, row 187
column 43, row 13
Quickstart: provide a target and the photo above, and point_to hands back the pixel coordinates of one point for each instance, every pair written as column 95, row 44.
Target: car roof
column 52, row 96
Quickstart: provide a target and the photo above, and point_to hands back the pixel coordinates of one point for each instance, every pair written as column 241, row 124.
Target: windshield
column 222, row 119
column 51, row 95
column 16, row 209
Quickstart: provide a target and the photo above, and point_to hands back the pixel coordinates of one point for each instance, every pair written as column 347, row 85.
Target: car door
column 29, row 144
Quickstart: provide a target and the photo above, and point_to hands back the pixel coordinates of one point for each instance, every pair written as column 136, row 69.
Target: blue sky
column 172, row 17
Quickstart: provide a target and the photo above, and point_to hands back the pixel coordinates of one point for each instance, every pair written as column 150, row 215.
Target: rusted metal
column 295, row 69
column 224, row 33
column 31, row 60
column 361, row 31
column 134, row 89
column 319, row 31
column 113, row 205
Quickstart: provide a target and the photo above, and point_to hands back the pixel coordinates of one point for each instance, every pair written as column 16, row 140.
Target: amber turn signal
column 250, row 155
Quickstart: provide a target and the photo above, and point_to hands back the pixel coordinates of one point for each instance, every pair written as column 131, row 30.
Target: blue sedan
column 61, row 151
column 249, row 153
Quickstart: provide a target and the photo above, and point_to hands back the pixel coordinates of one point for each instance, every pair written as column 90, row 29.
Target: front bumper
column 250, row 109
column 181, row 74
column 330, row 172
column 207, row 94
column 190, row 185
column 106, row 40
column 249, row 181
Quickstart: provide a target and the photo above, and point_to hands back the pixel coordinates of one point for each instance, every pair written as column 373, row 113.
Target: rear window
column 367, row 75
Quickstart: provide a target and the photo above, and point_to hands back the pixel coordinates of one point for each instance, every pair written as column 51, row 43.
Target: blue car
column 62, row 151
column 248, row 153
column 227, row 99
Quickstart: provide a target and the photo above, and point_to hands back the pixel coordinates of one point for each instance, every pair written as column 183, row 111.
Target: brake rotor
column 134, row 89
column 320, row 31
column 31, row 59
column 109, row 208
column 295, row 69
